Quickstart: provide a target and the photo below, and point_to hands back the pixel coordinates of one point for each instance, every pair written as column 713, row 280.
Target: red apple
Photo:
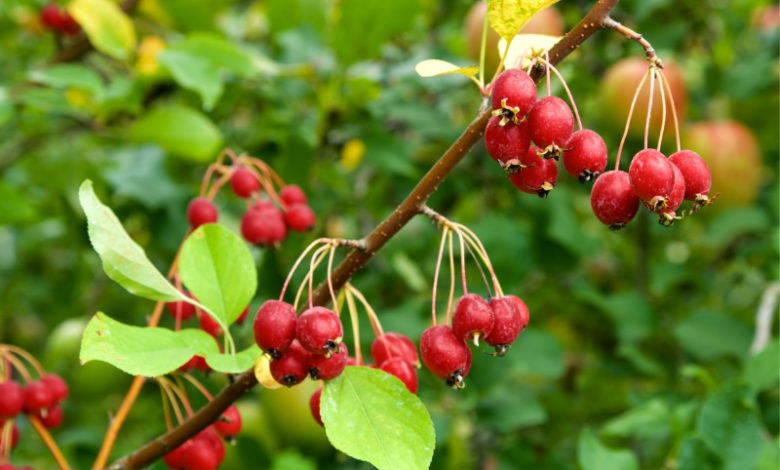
column 617, row 90
column 734, row 157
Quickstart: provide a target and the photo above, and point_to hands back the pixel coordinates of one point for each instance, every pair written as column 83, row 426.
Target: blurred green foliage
column 638, row 351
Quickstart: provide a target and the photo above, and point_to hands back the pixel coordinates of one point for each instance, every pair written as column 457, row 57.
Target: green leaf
column 694, row 455
column 109, row 29
column 506, row 411
column 139, row 173
column 142, row 350
column 730, row 427
column 124, row 260
column 593, row 455
column 371, row 415
column 234, row 364
column 69, row 76
column 195, row 73
column 650, row 419
column 409, row 271
column 222, row 54
column 14, row 206
column 217, row 268
column 536, row 353
column 508, row 16
column 735, row 222
column 709, row 335
column 180, row 131
column 630, row 313
column 762, row 371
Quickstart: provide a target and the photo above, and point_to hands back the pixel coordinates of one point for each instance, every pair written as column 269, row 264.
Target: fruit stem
column 195, row 383
column 479, row 266
column 462, row 266
column 436, row 274
column 298, row 261
column 331, row 252
column 27, row 356
column 547, row 73
column 319, row 255
column 47, row 439
column 565, row 87
column 16, row 363
column 656, row 72
column 355, row 323
column 166, row 414
column 674, row 110
column 649, row 103
column 171, row 398
column 451, row 296
column 628, row 120
column 629, row 33
column 372, row 316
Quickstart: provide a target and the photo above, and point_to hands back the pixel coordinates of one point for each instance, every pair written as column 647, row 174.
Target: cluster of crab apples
column 527, row 136
column 206, row 450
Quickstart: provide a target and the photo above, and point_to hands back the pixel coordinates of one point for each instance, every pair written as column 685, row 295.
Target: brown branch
column 359, row 257
column 634, row 36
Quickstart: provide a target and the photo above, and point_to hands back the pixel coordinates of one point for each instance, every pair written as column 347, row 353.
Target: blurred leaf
column 506, row 410
column 762, row 371
column 289, row 460
column 142, row 350
column 109, row 29
column 69, row 76
column 409, row 272
column 508, row 16
column 124, row 261
column 650, row 419
column 139, row 173
column 6, row 106
column 566, row 229
column 234, row 363
column 14, row 206
column 179, row 130
column 216, row 267
column 641, row 361
column 388, row 152
column 729, row 426
column 536, row 353
column 371, row 415
column 733, row 223
column 630, row 313
column 195, row 73
column 593, row 455
column 709, row 335
column 433, row 67
column 287, row 14
column 222, row 54
column 694, row 455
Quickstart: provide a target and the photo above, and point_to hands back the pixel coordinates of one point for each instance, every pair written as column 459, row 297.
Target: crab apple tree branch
column 357, row 258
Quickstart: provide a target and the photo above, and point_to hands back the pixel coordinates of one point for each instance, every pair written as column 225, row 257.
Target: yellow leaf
column 109, row 29
column 525, row 45
column 432, row 67
column 352, row 153
column 508, row 16
column 148, row 49
column 263, row 373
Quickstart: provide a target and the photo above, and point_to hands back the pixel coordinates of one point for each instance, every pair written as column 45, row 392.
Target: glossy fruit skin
column 244, row 182
column 319, row 330
column 392, row 345
column 11, row 399
column 678, row 190
column 185, row 310
column 446, row 355
column 612, row 199
column 651, row 176
column 209, row 437
column 507, row 323
column 314, row 406
column 299, row 217
column 37, row 397
column 328, row 368
column 585, row 156
column 177, row 457
column 229, row 424
column 473, row 318
column 292, row 194
column 523, row 309
column 698, row 180
column 263, row 227
column 200, row 456
column 291, row 368
column 550, row 122
column 201, row 211
column 195, row 362
column 538, row 175
column 402, row 369
column 57, row 386
column 507, row 142
column 209, row 325
column 274, row 327
column 517, row 88
column 52, row 417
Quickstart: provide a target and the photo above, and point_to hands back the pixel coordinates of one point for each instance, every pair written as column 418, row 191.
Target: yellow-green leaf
column 432, row 67
column 109, row 29
column 508, row 16
column 523, row 45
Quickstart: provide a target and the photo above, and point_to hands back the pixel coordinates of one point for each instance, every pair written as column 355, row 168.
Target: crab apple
column 11, row 399
column 507, row 323
column 292, row 194
column 291, row 368
column 515, row 91
column 612, row 199
column 176, row 458
column 402, row 369
column 244, row 182
column 241, row 318
column 446, row 355
column 37, row 396
column 183, row 310
column 274, row 327
column 201, row 211
column 391, row 345
column 652, row 177
column 537, row 175
column 52, row 417
column 229, row 424
column 209, row 325
column 69, row 25
column 210, row 438
column 314, row 406
column 550, row 123
column 523, row 309
column 200, row 456
column 585, row 156
column 508, row 142
column 733, row 156
column 473, row 318
column 667, row 216
column 52, row 16
column 299, row 217
column 14, row 437
column 57, row 386
column 695, row 172
column 328, row 368
column 195, row 362
column 265, row 226
column 617, row 91
column 319, row 330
